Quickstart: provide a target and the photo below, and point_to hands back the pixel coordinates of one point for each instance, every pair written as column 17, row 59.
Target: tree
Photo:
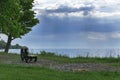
column 17, row 19
column 16, row 46
column 2, row 44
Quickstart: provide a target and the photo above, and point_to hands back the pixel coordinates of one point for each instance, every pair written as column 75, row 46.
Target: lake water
column 76, row 52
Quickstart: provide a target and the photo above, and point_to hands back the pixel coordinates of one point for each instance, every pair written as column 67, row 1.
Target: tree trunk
column 8, row 44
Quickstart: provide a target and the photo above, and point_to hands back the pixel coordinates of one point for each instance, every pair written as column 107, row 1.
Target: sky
column 74, row 24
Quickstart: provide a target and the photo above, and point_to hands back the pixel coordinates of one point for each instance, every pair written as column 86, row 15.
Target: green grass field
column 21, row 72
column 13, row 71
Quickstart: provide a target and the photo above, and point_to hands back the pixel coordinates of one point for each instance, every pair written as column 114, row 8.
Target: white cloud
column 3, row 36
column 103, row 8
column 104, row 14
column 115, row 35
column 103, row 36
column 60, row 15
column 96, row 36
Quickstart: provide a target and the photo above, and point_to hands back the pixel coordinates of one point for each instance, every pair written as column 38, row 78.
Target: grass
column 65, row 59
column 81, row 59
column 29, row 72
column 9, row 57
column 21, row 72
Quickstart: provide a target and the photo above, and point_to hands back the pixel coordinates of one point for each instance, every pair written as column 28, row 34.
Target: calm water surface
column 76, row 52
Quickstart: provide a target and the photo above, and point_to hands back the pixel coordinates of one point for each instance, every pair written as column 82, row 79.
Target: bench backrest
column 24, row 52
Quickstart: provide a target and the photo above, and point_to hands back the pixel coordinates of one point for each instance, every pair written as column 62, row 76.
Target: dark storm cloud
column 66, row 9
column 71, row 25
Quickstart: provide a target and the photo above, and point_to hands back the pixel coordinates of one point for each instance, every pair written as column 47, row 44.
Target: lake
column 76, row 52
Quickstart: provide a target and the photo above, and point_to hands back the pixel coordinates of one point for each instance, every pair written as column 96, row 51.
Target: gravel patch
column 75, row 67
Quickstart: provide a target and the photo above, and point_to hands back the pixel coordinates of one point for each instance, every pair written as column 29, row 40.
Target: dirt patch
column 76, row 66
column 86, row 67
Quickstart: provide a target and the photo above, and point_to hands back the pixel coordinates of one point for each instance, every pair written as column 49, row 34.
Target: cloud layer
column 75, row 24
column 95, row 8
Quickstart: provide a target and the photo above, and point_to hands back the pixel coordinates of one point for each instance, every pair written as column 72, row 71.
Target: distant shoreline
column 75, row 52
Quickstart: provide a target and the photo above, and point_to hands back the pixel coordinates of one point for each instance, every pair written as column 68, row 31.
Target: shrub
column 44, row 53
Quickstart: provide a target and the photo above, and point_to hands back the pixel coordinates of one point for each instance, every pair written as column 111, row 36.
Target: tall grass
column 66, row 59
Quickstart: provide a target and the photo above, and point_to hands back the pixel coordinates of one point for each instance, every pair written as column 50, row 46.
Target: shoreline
column 63, row 63
column 72, row 53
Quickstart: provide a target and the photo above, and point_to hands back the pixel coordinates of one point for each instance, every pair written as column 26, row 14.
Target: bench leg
column 26, row 60
column 29, row 59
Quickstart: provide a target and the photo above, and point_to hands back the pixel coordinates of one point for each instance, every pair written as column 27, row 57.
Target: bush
column 44, row 53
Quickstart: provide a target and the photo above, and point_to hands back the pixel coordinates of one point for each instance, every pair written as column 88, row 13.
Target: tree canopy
column 9, row 14
column 16, row 18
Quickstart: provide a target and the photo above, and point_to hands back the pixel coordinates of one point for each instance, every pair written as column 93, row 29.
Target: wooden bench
column 25, row 56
